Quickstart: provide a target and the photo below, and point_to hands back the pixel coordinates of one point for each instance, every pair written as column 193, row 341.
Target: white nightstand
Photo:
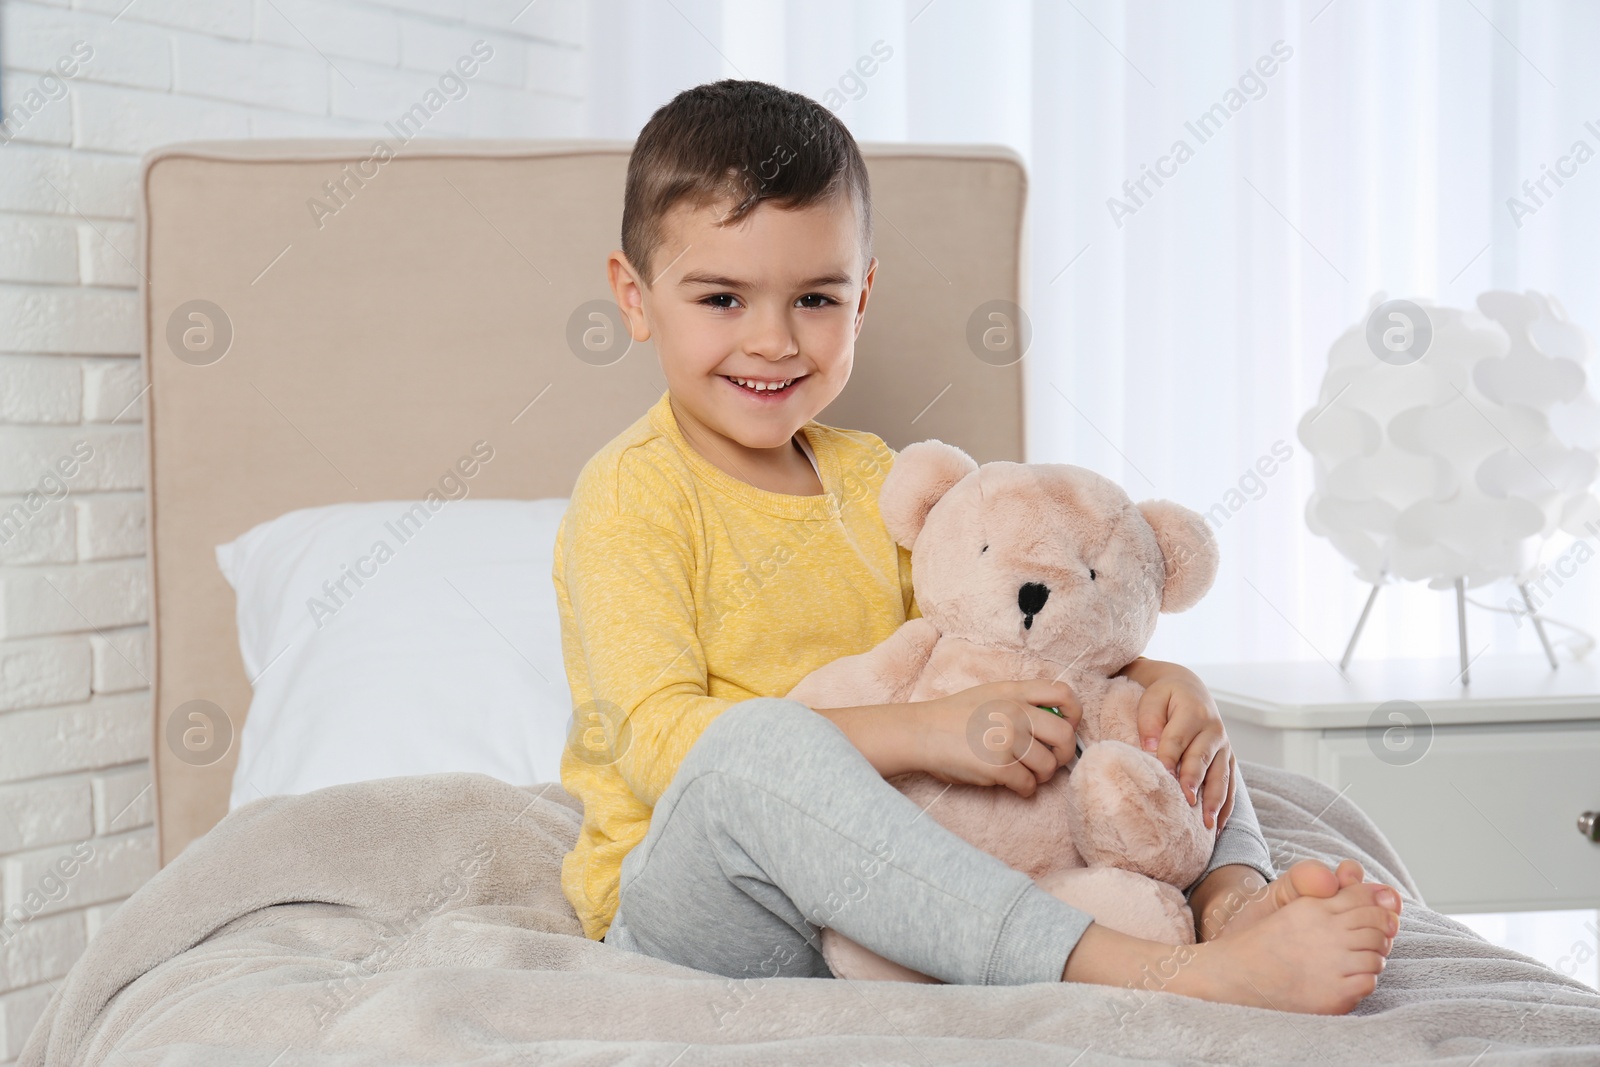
column 1479, row 788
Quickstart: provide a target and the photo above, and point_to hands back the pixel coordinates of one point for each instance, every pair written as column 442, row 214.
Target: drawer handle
column 1589, row 825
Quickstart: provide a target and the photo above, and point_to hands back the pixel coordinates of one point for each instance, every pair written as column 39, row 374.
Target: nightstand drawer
column 1486, row 818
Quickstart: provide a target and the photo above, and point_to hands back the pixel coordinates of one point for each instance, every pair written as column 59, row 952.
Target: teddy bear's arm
column 883, row 675
column 1110, row 709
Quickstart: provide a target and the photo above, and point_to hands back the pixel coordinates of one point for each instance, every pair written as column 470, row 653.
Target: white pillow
column 388, row 639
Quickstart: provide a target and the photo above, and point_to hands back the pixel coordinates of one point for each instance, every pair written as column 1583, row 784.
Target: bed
column 348, row 355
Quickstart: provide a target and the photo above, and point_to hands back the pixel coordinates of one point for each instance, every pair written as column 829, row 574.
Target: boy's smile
column 755, row 325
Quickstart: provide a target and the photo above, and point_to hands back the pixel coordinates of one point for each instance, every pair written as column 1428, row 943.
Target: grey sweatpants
column 776, row 825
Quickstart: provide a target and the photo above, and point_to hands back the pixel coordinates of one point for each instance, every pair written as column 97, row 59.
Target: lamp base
column 1461, row 628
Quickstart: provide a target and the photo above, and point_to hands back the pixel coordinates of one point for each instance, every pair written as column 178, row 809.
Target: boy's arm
column 634, row 615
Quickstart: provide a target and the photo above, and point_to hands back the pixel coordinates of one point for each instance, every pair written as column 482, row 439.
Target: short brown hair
column 743, row 141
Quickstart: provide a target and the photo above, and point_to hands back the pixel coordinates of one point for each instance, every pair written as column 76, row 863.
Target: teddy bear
column 1050, row 571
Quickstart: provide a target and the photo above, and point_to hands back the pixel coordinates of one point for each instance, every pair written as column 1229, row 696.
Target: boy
column 711, row 558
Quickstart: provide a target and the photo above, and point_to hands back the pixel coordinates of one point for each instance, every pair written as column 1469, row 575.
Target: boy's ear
column 1188, row 549
column 922, row 474
column 626, row 282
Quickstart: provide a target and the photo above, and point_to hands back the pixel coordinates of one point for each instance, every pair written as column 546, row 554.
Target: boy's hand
column 998, row 734
column 1179, row 722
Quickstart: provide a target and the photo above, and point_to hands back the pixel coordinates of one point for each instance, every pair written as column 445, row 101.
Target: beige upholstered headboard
column 301, row 355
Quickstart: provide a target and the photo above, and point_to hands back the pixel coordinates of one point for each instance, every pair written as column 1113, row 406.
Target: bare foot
column 1308, row 878
column 1318, row 954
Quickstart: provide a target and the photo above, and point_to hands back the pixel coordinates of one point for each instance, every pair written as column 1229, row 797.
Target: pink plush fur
column 1112, row 835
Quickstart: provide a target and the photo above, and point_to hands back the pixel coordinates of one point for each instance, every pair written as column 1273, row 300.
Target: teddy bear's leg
column 846, row 959
column 1126, row 902
column 1126, row 810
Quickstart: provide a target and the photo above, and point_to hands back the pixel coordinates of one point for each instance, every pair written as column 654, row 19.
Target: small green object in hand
column 1078, row 741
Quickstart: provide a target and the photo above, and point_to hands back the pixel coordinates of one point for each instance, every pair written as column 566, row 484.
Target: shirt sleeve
column 629, row 582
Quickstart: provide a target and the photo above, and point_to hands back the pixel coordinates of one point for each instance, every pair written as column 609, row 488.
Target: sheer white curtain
column 1180, row 335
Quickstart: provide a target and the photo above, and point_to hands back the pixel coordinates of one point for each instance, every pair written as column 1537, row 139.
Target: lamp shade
column 1451, row 443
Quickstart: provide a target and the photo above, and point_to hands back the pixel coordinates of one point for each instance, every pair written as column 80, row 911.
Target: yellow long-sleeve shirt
column 684, row 590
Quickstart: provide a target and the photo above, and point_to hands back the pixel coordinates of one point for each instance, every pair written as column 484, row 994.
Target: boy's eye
column 826, row 300
column 719, row 296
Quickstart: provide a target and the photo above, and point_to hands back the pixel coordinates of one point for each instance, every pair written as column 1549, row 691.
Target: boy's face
column 777, row 298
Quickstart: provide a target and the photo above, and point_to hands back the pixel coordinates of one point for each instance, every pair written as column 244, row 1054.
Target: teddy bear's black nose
column 1031, row 598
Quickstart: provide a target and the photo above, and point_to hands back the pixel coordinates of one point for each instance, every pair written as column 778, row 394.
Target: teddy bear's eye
column 1091, row 574
column 982, row 550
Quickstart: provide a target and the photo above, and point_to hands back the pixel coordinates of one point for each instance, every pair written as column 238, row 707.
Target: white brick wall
column 75, row 712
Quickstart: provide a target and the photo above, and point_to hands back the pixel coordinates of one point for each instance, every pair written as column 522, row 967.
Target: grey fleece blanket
column 421, row 920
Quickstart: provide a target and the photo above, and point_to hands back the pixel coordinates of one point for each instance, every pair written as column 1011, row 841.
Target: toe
column 1360, row 985
column 1350, row 873
column 1368, row 939
column 1366, row 895
column 1352, row 989
column 1372, row 917
column 1366, row 963
column 1309, row 878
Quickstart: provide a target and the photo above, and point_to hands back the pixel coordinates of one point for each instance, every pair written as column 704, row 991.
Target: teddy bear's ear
column 922, row 473
column 1189, row 550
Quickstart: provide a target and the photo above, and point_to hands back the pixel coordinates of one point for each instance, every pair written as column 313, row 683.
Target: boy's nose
column 770, row 334
column 1031, row 598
